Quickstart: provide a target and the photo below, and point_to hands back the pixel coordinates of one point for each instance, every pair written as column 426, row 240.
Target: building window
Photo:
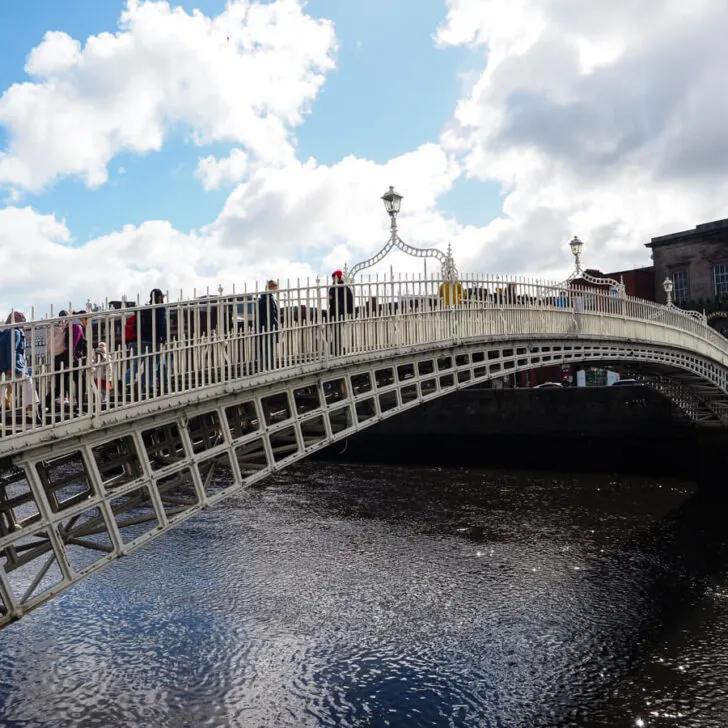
column 720, row 279
column 681, row 289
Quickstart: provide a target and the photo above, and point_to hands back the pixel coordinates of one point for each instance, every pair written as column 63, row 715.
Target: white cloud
column 285, row 218
column 604, row 119
column 214, row 172
column 57, row 54
column 590, row 124
column 305, row 208
column 290, row 223
column 246, row 76
column 47, row 269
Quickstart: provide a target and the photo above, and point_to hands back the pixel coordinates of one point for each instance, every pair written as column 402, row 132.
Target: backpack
column 130, row 329
column 81, row 349
column 58, row 342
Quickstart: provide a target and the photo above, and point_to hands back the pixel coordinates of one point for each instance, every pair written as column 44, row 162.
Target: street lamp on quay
column 393, row 204
column 667, row 285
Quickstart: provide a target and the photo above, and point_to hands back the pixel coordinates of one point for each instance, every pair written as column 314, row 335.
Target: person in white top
column 102, row 371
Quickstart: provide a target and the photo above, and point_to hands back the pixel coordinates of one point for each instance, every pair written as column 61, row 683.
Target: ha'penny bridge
column 226, row 401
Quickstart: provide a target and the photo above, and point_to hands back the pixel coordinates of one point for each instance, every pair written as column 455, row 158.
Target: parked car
column 627, row 383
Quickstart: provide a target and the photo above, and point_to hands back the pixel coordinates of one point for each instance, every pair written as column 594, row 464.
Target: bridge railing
column 165, row 350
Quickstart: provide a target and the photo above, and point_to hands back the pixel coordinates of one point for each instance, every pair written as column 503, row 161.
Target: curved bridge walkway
column 224, row 402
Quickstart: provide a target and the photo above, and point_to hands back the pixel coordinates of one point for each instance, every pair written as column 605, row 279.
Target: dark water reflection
column 381, row 596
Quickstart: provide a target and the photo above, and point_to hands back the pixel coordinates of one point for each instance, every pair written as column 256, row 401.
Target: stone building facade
column 697, row 262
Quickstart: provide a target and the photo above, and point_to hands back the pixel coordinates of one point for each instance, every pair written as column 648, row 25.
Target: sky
column 200, row 143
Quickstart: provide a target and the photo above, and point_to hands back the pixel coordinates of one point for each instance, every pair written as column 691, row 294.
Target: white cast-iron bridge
column 90, row 481
column 225, row 401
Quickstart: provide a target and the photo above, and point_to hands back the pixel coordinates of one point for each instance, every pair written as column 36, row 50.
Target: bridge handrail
column 218, row 339
column 501, row 289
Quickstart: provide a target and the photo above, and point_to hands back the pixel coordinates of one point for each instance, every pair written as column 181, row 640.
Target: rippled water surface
column 381, row 596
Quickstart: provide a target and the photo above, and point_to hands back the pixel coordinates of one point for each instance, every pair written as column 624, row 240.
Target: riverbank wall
column 604, row 429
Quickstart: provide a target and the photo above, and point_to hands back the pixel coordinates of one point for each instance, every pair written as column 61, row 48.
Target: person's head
column 272, row 285
column 15, row 317
column 156, row 295
column 62, row 313
column 337, row 276
column 101, row 348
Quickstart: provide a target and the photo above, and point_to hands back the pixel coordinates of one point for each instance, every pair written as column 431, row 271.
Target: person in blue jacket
column 13, row 365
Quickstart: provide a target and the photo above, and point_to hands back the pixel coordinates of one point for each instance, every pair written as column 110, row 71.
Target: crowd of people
column 145, row 333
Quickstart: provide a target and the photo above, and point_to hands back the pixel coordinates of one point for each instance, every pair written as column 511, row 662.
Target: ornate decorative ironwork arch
column 392, row 202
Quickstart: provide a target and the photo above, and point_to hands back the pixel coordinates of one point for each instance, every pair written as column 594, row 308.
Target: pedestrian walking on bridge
column 267, row 335
column 14, row 367
column 341, row 307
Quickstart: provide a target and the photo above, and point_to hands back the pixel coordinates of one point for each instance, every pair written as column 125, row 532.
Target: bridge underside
column 697, row 400
column 69, row 506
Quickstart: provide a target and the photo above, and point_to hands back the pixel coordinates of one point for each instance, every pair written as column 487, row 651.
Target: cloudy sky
column 208, row 142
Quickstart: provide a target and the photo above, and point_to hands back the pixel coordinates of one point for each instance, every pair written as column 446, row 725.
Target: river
column 363, row 595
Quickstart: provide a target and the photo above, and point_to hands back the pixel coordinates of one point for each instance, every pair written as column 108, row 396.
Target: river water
column 359, row 595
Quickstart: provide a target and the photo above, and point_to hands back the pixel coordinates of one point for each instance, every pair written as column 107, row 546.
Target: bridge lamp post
column 392, row 204
column 577, row 246
column 668, row 286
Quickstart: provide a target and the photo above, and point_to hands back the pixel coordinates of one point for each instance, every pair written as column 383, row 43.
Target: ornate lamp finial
column 449, row 271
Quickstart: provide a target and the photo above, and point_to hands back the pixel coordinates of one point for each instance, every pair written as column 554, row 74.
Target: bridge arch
column 75, row 504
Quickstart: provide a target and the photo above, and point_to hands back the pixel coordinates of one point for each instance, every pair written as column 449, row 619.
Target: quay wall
column 600, row 429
